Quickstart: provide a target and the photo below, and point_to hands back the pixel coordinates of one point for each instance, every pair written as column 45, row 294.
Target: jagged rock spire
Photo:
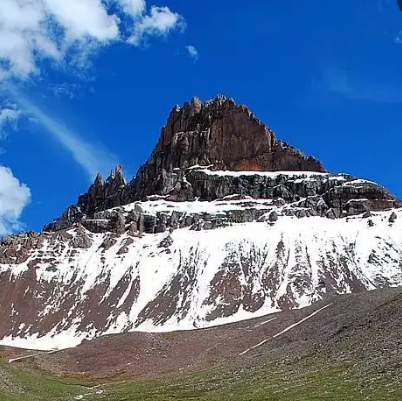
column 105, row 194
column 99, row 181
column 117, row 176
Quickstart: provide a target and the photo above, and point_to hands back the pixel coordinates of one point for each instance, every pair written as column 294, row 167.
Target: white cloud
column 58, row 30
column 8, row 117
column 93, row 159
column 134, row 8
column 159, row 22
column 84, row 20
column 14, row 197
column 192, row 52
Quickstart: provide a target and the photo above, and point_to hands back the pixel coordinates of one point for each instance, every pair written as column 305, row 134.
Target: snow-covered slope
column 189, row 279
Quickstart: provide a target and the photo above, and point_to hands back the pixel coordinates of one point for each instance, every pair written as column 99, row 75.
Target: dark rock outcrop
column 104, row 195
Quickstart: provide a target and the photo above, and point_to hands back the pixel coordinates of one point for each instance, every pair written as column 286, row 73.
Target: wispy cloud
column 66, row 90
column 8, row 117
column 192, row 52
column 93, row 159
column 353, row 87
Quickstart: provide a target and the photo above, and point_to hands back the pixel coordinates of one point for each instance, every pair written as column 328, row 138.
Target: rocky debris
column 166, row 242
column 125, row 246
column 81, row 239
column 332, row 213
column 273, row 217
column 360, row 196
column 120, row 224
column 133, row 230
column 115, row 221
column 199, row 221
column 198, row 226
column 392, row 217
column 301, row 213
column 162, row 223
column 135, row 219
column 109, row 241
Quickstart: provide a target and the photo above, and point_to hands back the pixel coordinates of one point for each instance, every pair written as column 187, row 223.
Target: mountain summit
column 223, row 222
column 220, row 134
column 216, row 135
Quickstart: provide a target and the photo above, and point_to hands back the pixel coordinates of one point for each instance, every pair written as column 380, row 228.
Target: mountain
column 223, row 222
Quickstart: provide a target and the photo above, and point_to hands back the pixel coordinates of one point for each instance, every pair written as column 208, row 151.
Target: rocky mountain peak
column 228, row 136
column 220, row 134
column 207, row 150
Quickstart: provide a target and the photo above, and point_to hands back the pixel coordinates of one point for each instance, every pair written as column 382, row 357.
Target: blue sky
column 83, row 92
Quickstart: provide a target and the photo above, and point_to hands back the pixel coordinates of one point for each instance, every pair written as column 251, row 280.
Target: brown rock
column 218, row 133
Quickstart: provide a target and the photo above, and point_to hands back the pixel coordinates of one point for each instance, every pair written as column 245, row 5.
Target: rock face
column 224, row 221
column 297, row 194
column 220, row 134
